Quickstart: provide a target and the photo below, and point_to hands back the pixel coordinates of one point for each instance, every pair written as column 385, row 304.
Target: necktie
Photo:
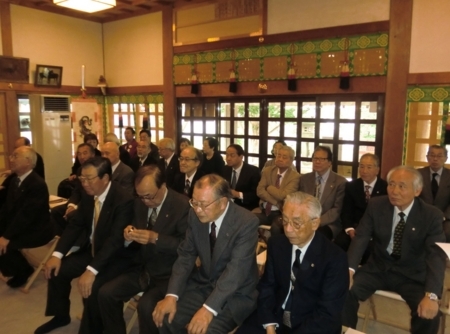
column 165, row 164
column 187, row 187
column 398, row 235
column 212, row 237
column 367, row 193
column 269, row 205
column 233, row 180
column 97, row 209
column 318, row 183
column 294, row 276
column 152, row 219
column 434, row 185
column 141, row 162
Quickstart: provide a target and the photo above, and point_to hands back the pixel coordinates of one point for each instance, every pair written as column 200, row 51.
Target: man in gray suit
column 405, row 258
column 328, row 187
column 122, row 174
column 221, row 293
column 436, row 183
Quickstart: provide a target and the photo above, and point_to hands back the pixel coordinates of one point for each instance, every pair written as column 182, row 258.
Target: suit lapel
column 242, row 176
column 311, row 257
column 223, row 237
column 377, row 189
column 385, row 229
column 329, row 186
column 164, row 213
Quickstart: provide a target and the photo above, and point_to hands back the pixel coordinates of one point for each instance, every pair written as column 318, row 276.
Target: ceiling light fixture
column 89, row 6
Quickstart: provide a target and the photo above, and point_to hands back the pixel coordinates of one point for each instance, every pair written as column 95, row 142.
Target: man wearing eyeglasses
column 97, row 227
column 436, row 183
column 190, row 160
column 168, row 163
column 218, row 295
column 304, row 285
column 328, row 187
column 159, row 225
column 144, row 156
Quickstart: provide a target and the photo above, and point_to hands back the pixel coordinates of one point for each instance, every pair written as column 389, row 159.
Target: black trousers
column 113, row 294
column 13, row 263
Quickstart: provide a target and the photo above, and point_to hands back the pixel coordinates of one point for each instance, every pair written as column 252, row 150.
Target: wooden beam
column 135, row 90
column 5, row 19
column 439, row 78
column 27, row 88
column 397, row 82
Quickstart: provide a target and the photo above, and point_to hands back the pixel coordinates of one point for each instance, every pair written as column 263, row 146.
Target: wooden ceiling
column 124, row 8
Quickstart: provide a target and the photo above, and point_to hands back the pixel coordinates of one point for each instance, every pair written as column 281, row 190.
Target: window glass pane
column 369, row 110
column 292, row 144
column 309, row 109
column 152, row 121
column 239, row 127
column 152, row 107
column 327, row 110
column 274, row 109
column 161, row 121
column 305, row 167
column 274, row 129
column 253, row 146
column 210, row 109
column 185, row 126
column 290, row 110
column 345, row 152
column 225, row 109
column 308, row 130
column 198, row 108
column 326, row 130
column 240, row 141
column 345, row 171
column 198, row 128
column 224, row 143
column 270, row 143
column 420, row 152
column 253, row 161
column 363, row 149
column 307, row 149
column 160, row 107
column 211, row 127
column 347, row 110
column 254, row 110
column 239, row 110
column 225, row 127
column 367, row 132
column 347, row 131
column 253, row 127
column 185, row 109
column 160, row 134
column 439, row 130
column 290, row 129
column 198, row 142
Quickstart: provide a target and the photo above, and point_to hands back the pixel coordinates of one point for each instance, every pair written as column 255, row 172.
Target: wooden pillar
column 170, row 106
column 400, row 23
column 6, row 33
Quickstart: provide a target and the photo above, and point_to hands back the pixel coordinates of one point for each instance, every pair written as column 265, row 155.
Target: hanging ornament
column 194, row 79
column 344, row 80
column 233, row 82
column 292, row 80
column 146, row 114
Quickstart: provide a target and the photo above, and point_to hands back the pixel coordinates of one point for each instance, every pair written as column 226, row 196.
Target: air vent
column 55, row 103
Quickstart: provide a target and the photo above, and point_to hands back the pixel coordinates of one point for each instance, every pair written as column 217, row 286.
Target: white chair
column 132, row 304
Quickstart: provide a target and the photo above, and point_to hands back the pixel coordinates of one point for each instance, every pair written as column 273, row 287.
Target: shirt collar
column 371, row 184
column 439, row 171
column 115, row 166
column 189, row 178
column 304, row 248
column 324, row 176
column 158, row 208
column 406, row 211
column 102, row 197
column 238, row 170
column 23, row 176
column 219, row 220
column 169, row 158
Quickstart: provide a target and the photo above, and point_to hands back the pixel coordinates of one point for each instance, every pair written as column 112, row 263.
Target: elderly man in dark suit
column 221, row 293
column 24, row 218
column 97, row 227
column 328, row 187
column 405, row 258
column 121, row 173
column 190, row 161
column 168, row 163
column 243, row 178
column 436, row 183
column 159, row 229
column 357, row 194
column 305, row 281
column 144, row 156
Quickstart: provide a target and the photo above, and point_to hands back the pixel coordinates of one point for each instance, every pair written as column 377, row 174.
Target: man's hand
column 127, row 233
column 351, row 233
column 68, row 210
column 200, row 321
column 144, row 236
column 234, row 193
column 427, row 308
column 52, row 263
column 85, row 283
column 72, row 177
column 166, row 306
column 270, row 329
column 3, row 245
column 351, row 273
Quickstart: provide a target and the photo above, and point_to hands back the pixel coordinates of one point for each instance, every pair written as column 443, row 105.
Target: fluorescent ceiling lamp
column 89, row 6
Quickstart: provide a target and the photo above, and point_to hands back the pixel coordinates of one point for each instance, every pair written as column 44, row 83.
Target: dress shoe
column 20, row 279
column 56, row 322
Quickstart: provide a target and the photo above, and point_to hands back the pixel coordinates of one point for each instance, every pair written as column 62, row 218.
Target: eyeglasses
column 319, row 159
column 147, row 197
column 86, row 179
column 295, row 225
column 432, row 156
column 202, row 206
column 186, row 159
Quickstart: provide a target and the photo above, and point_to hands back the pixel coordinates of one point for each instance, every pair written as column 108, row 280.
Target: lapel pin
column 312, row 265
column 167, row 215
column 413, row 228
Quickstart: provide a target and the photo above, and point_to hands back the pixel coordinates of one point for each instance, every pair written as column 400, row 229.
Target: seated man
column 243, row 178
column 304, row 286
column 146, row 135
column 124, row 156
column 405, row 257
column 190, row 159
column 168, row 163
column 159, row 234
column 276, row 183
column 143, row 158
column 357, row 195
column 121, row 173
column 436, row 183
column 24, row 218
column 97, row 226
column 92, row 140
column 328, row 187
column 221, row 293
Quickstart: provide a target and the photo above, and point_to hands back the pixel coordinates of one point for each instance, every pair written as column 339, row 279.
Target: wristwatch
column 432, row 296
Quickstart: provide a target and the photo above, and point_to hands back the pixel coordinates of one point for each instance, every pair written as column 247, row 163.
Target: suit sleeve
column 127, row 182
column 250, row 196
column 347, row 217
column 261, row 191
column 286, row 188
column 334, row 213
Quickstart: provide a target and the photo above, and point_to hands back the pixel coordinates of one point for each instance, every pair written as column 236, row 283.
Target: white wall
column 430, row 45
column 296, row 15
column 52, row 39
column 133, row 51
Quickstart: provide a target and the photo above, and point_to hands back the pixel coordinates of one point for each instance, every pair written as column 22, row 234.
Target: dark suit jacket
column 124, row 156
column 173, row 168
column 213, row 165
column 171, row 225
column 39, row 168
column 332, row 198
column 355, row 201
column 115, row 215
column 25, row 221
column 319, row 291
column 77, row 164
column 421, row 260
column 124, row 175
column 246, row 184
column 230, row 276
column 135, row 162
column 180, row 181
column 442, row 200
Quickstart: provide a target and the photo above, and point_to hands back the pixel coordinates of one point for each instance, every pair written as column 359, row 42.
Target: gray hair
column 417, row 177
column 167, row 143
column 30, row 154
column 220, row 186
column 374, row 157
column 312, row 204
column 112, row 137
column 289, row 149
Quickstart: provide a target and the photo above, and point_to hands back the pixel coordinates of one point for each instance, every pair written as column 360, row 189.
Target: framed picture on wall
column 13, row 69
column 48, row 75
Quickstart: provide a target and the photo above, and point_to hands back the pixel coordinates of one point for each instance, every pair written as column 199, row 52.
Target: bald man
column 122, row 174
